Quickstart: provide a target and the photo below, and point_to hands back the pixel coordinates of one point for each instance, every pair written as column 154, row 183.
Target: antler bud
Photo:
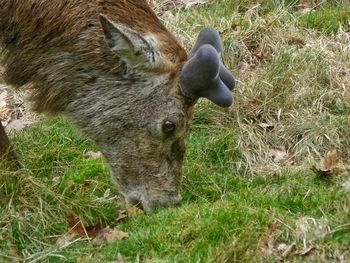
column 200, row 77
column 204, row 75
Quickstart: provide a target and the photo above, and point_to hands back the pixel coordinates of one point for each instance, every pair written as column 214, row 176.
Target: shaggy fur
column 118, row 95
column 45, row 39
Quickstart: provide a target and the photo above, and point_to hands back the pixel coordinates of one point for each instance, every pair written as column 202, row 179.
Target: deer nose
column 163, row 201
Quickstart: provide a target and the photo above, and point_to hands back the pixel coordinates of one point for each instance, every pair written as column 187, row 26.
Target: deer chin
column 142, row 201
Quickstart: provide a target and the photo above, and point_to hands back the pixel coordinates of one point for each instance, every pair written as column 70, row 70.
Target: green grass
column 293, row 74
column 327, row 19
column 224, row 214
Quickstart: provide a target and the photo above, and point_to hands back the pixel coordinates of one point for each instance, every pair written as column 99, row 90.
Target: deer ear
column 129, row 45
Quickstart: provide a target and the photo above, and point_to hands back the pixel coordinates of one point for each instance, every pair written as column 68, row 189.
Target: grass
column 223, row 210
column 239, row 205
column 327, row 19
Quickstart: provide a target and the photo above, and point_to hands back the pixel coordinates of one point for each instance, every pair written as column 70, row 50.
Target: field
column 267, row 180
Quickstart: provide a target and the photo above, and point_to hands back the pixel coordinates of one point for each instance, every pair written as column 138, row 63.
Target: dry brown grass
column 294, row 83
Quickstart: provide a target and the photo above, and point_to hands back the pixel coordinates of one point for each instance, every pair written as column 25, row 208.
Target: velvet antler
column 204, row 75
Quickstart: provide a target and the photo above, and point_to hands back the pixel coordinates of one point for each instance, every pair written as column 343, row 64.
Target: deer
column 121, row 77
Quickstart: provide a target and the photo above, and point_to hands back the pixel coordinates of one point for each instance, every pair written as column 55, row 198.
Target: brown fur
column 59, row 50
column 36, row 33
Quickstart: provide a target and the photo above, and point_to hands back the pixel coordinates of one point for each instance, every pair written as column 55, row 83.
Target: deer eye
column 168, row 126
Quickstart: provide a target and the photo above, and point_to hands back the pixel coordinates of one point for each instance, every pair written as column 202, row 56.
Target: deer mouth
column 148, row 204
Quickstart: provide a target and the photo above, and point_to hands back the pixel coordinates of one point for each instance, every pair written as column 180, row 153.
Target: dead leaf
column 331, row 160
column 98, row 233
column 78, row 228
column 330, row 165
column 280, row 155
column 108, row 235
column 112, row 235
column 93, row 155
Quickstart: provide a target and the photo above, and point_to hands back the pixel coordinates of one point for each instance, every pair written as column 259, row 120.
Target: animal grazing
column 121, row 77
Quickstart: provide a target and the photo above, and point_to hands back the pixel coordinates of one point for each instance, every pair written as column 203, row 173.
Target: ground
column 265, row 181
